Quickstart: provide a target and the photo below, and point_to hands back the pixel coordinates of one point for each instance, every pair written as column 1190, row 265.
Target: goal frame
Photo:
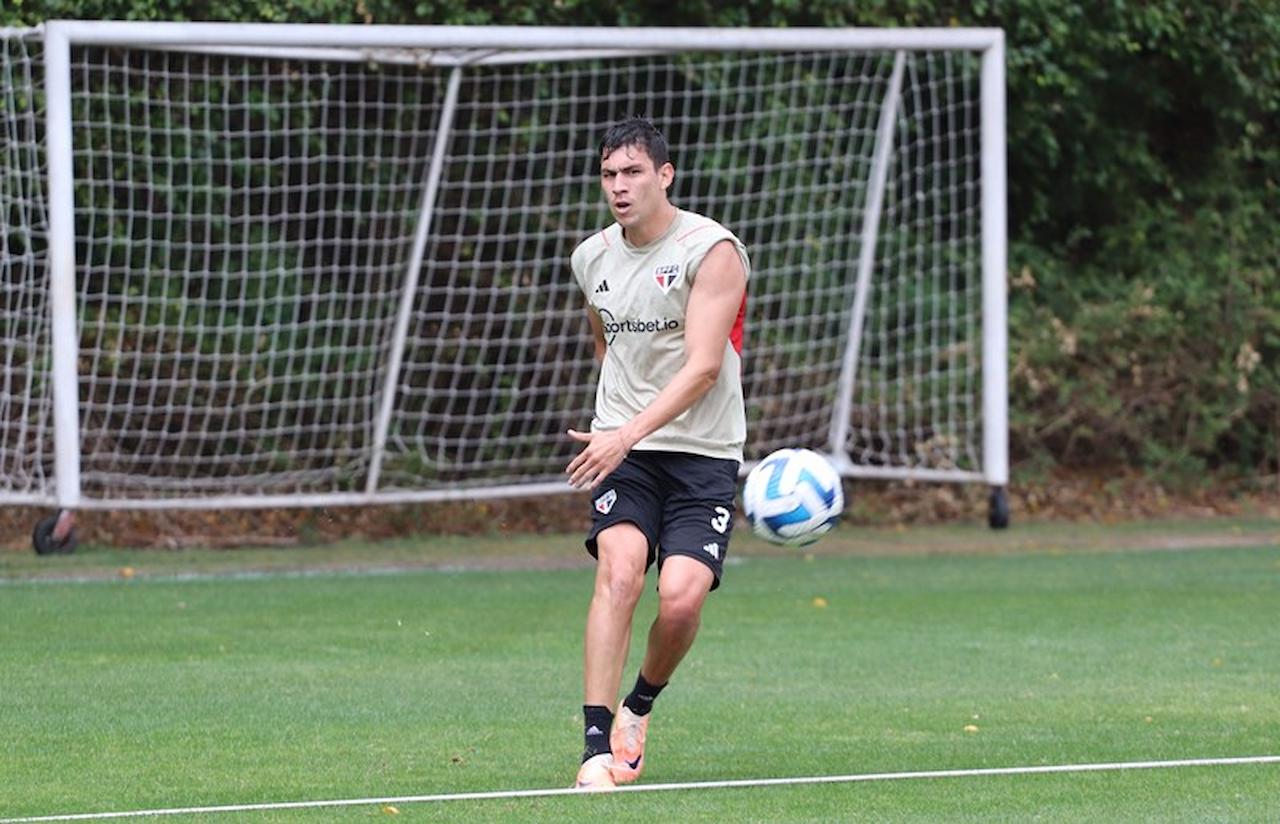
column 458, row 47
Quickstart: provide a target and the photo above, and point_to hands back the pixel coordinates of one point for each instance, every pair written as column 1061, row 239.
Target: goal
column 270, row 265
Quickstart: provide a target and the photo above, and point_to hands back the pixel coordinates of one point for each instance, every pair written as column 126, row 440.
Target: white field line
column 640, row 788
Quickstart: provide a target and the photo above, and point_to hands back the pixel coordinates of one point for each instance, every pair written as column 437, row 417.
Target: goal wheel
column 998, row 512
column 45, row 537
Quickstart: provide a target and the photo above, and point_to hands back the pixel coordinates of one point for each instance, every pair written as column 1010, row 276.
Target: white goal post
column 250, row 265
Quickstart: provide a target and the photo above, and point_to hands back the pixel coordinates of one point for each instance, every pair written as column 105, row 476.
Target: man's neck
column 653, row 229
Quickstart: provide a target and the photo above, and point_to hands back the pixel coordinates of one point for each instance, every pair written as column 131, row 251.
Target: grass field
column 380, row 671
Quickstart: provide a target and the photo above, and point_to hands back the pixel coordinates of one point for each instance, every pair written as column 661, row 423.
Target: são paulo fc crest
column 667, row 276
column 606, row 501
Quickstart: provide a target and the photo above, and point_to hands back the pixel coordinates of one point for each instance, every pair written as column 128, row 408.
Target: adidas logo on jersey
column 603, row 287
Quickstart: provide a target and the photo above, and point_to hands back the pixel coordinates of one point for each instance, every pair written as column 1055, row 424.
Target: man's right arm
column 597, row 334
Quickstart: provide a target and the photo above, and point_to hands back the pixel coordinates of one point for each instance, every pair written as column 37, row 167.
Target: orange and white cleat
column 627, row 741
column 595, row 775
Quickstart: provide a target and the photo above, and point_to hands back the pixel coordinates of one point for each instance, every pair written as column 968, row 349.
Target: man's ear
column 666, row 174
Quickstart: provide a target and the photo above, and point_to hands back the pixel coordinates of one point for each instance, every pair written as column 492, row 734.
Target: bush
column 1161, row 352
column 1143, row 168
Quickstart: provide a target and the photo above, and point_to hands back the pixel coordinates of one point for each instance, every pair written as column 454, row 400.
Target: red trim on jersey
column 693, row 231
column 735, row 334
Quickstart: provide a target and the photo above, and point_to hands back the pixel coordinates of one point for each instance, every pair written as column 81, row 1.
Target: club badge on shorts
column 606, row 501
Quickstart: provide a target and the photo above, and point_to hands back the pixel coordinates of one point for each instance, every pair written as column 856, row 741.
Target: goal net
column 26, row 401
column 265, row 265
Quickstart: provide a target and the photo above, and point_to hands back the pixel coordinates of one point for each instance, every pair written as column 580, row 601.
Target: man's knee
column 622, row 554
column 682, row 590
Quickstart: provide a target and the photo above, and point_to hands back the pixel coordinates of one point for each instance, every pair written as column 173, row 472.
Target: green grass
column 159, row 692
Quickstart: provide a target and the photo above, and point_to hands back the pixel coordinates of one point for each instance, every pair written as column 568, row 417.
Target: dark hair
column 636, row 131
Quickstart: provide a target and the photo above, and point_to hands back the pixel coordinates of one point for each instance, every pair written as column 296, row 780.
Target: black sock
column 640, row 701
column 597, row 721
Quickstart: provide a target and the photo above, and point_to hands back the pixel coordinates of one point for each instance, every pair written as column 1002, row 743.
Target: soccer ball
column 793, row 497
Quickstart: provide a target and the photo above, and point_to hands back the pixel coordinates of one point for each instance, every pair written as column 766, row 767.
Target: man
column 666, row 291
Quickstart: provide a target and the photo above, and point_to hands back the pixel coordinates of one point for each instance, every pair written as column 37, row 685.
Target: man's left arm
column 714, row 302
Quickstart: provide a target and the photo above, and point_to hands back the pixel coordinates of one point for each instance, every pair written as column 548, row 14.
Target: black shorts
column 682, row 503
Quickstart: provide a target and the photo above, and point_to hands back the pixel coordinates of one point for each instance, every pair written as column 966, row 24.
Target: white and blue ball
column 793, row 497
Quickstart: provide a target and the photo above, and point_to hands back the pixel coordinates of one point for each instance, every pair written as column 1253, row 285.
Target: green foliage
column 1168, row 362
column 1143, row 183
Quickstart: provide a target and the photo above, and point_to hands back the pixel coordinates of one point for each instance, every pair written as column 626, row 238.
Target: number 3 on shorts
column 720, row 522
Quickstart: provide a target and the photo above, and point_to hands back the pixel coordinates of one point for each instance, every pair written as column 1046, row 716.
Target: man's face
column 635, row 190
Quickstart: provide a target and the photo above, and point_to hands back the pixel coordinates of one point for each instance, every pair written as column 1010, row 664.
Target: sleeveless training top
column 640, row 293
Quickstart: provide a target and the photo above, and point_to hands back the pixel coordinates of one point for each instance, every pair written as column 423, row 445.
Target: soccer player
column 666, row 290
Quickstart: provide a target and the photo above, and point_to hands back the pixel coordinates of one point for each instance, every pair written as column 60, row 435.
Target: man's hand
column 603, row 453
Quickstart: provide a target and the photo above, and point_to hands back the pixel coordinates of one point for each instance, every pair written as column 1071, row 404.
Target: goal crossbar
column 522, row 38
